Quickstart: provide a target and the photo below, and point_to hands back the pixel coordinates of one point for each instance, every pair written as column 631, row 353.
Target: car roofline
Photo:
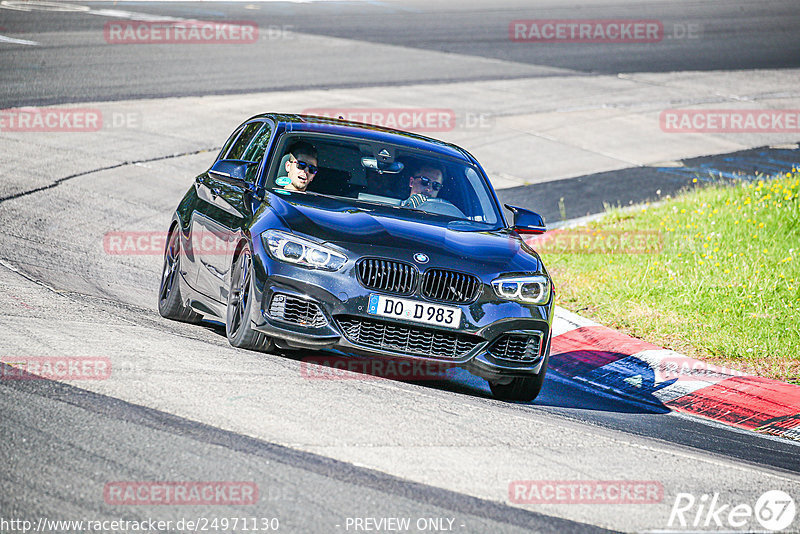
column 371, row 132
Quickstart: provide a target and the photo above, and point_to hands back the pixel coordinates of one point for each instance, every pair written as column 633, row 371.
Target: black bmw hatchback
column 313, row 233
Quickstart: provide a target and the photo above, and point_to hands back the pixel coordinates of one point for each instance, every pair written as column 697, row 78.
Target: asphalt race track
column 75, row 64
column 354, row 453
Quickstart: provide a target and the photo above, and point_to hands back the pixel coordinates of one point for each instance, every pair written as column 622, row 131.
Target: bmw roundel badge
column 419, row 257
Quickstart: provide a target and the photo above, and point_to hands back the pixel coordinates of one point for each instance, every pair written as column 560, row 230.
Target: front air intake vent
column 296, row 311
column 516, row 348
column 405, row 339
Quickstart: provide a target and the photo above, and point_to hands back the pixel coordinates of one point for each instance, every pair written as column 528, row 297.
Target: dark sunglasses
column 302, row 165
column 424, row 181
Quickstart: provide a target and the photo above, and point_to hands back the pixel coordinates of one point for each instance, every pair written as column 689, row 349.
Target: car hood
column 403, row 233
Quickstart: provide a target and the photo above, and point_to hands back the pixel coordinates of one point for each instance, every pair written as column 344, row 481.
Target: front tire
column 170, row 304
column 237, row 323
column 521, row 389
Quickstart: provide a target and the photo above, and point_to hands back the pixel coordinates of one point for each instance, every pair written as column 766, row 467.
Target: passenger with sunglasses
column 425, row 182
column 301, row 167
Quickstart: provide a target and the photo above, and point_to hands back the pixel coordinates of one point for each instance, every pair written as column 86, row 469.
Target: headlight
column 292, row 249
column 533, row 289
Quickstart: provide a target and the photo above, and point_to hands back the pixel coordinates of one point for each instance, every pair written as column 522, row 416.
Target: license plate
column 412, row 310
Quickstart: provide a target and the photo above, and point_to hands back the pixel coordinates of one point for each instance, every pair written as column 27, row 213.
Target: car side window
column 255, row 151
column 228, row 144
column 240, row 146
column 257, row 147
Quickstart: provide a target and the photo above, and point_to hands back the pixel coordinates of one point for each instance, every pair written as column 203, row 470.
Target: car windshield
column 419, row 183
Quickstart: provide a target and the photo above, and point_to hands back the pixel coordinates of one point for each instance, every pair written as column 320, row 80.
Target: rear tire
column 520, row 389
column 170, row 304
column 237, row 322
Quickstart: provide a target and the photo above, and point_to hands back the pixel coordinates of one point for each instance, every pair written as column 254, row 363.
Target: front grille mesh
column 516, row 348
column 449, row 286
column 296, row 310
column 407, row 339
column 387, row 275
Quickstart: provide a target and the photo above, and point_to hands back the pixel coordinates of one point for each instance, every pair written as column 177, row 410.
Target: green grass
column 724, row 288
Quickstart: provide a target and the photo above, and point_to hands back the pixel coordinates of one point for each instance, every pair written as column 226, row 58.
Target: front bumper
column 303, row 308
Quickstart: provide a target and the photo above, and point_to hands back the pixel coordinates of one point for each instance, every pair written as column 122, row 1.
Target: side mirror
column 231, row 169
column 526, row 221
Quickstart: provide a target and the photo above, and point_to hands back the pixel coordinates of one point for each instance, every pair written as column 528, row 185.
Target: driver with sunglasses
column 425, row 183
column 302, row 166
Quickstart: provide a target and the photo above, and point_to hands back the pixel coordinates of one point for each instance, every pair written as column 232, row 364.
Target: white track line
column 4, row 39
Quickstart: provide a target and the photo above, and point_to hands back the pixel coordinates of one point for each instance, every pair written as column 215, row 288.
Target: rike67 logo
column 773, row 511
